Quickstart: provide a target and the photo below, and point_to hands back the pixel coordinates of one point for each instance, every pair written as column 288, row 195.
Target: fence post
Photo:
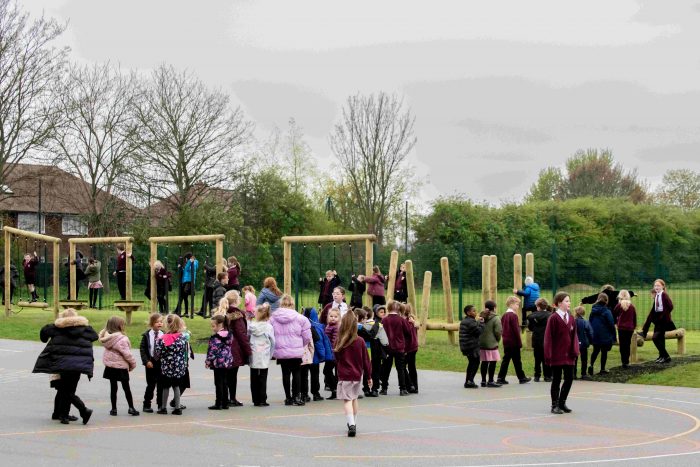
column 295, row 255
column 485, row 279
column 447, row 291
column 425, row 306
column 554, row 268
column 493, row 279
column 459, row 280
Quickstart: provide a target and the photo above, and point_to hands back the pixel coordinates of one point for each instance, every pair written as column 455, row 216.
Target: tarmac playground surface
column 443, row 425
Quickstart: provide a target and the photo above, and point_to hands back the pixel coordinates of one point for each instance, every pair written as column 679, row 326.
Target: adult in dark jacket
column 14, row 275
column 68, row 353
column 603, row 324
column 608, row 290
column 357, row 287
column 326, row 286
column 240, row 350
column 469, row 332
column 660, row 315
column 530, row 294
column 537, row 324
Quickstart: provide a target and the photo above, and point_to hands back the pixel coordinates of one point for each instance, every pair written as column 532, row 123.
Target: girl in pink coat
column 118, row 361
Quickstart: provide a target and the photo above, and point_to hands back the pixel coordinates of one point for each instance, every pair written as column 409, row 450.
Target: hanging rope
column 301, row 278
column 334, row 256
column 46, row 273
column 320, row 268
column 352, row 268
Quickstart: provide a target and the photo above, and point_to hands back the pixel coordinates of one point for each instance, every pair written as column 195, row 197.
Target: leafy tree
column 680, row 187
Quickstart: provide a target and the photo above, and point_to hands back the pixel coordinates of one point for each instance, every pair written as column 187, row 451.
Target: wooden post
column 369, row 263
column 633, row 350
column 8, row 253
column 485, row 279
column 219, row 247
column 393, row 265
column 287, row 268
column 530, row 265
column 447, row 292
column 493, row 280
column 518, row 277
column 72, row 267
column 152, row 272
column 129, row 250
column 411, row 285
column 425, row 307
column 56, row 284
column 681, row 344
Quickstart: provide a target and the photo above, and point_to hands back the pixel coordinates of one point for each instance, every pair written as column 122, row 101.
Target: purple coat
column 292, row 333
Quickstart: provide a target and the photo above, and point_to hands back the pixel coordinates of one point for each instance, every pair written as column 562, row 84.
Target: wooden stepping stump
column 128, row 307
column 75, row 304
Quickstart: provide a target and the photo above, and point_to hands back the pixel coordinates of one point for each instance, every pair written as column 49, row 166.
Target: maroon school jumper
column 396, row 329
column 511, row 331
column 560, row 341
column 352, row 361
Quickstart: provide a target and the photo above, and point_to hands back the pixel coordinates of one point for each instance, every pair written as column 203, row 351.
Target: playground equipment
column 186, row 239
column 678, row 334
column 9, row 231
column 368, row 239
column 129, row 305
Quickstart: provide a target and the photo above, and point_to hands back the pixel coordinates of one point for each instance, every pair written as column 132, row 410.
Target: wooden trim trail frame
column 218, row 239
column 128, row 245
column 9, row 231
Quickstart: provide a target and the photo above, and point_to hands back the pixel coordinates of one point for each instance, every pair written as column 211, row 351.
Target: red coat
column 560, row 341
column 240, row 346
column 511, row 331
column 626, row 319
column 352, row 361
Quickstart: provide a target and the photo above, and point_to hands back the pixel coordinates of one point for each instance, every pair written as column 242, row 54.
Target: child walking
column 537, row 323
column 353, row 362
column 626, row 317
column 560, row 351
column 118, row 361
column 660, row 316
column 148, row 350
column 469, row 332
column 171, row 350
column 512, row 343
column 329, row 375
column 411, row 349
column 488, row 344
column 262, row 344
column 584, row 331
column 219, row 359
column 603, row 325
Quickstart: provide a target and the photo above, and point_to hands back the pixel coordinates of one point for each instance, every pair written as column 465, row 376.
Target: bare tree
column 93, row 140
column 680, row 187
column 187, row 136
column 29, row 68
column 297, row 158
column 371, row 142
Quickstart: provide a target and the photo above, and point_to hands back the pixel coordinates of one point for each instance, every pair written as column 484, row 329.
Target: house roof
column 62, row 192
column 198, row 194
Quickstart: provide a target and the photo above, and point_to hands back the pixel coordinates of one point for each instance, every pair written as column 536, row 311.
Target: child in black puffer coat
column 470, row 330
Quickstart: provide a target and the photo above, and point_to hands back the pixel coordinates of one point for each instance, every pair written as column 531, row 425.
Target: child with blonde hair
column 262, row 344
column 512, row 343
column 219, row 359
column 172, row 352
column 249, row 298
column 118, row 361
column 626, row 317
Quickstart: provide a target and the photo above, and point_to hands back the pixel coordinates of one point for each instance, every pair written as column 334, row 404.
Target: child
column 240, row 346
column 378, row 345
column 469, row 332
column 626, row 316
column 537, row 323
column 584, row 331
column 262, row 344
column 560, row 351
column 92, row 272
column 326, row 286
column 148, row 348
column 234, row 273
column 338, row 303
column 171, row 351
column 660, row 315
column 120, row 271
column 531, row 292
column 400, row 289
column 219, row 359
column 329, row 376
column 512, row 342
column 188, row 274
column 357, row 287
column 210, row 278
column 323, row 351
column 488, row 344
column 368, row 330
column 219, row 290
column 375, row 289
column 249, row 299
column 603, row 325
column 411, row 349
column 163, row 286
column 353, row 362
column 118, row 361
column 29, row 264
column 397, row 331
column 270, row 293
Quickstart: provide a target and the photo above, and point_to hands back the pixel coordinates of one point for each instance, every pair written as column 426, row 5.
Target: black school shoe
column 70, row 418
column 525, row 380
column 564, row 408
column 176, row 412
column 403, row 392
column 373, row 393
column 470, row 385
column 318, row 397
column 501, row 381
column 556, row 410
column 235, row 403
column 162, row 411
column 383, row 392
column 87, row 413
column 352, row 431
column 147, row 409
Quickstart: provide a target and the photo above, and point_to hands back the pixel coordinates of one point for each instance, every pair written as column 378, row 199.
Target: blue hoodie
column 267, row 296
column 603, row 325
column 322, row 347
column 531, row 293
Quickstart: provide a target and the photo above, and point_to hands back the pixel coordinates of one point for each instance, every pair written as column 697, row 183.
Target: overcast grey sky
column 499, row 89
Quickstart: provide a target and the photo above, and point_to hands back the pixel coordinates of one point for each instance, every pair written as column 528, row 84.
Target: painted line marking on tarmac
column 11, row 350
column 599, row 461
column 263, row 432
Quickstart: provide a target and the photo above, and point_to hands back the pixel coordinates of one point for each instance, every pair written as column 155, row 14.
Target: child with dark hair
column 120, row 271
column 323, row 351
column 147, row 350
column 29, row 264
column 357, row 287
column 537, row 324
column 411, row 349
column 470, row 330
column 560, row 351
column 375, row 286
column 603, row 324
column 488, row 344
column 584, row 331
column 377, row 345
column 118, row 361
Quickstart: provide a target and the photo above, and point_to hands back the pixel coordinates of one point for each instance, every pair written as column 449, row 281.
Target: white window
column 29, row 221
column 73, row 225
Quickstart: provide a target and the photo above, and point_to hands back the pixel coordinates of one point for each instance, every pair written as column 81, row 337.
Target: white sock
column 355, row 417
column 350, row 418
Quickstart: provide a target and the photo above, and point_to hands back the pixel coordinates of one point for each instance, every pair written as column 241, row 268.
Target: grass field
column 437, row 354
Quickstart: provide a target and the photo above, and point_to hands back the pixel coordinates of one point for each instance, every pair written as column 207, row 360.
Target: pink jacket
column 292, row 333
column 117, row 351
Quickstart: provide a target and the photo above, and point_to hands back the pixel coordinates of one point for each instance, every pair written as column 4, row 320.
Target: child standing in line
column 323, row 351
column 512, row 343
column 171, row 351
column 470, row 330
column 262, row 344
column 488, row 344
column 118, row 361
column 92, row 272
column 378, row 345
column 29, row 264
column 368, row 330
column 357, row 287
column 560, row 351
column 397, row 332
column 626, row 317
column 584, row 331
column 353, row 362
column 537, row 323
column 249, row 300
column 603, row 325
column 240, row 346
column 219, row 359
column 329, row 375
column 148, row 349
column 411, row 349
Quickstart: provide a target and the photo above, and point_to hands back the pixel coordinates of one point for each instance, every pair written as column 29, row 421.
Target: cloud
column 500, row 132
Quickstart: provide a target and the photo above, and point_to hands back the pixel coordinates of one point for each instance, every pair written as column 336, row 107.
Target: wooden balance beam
column 76, row 304
column 637, row 341
column 32, row 304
